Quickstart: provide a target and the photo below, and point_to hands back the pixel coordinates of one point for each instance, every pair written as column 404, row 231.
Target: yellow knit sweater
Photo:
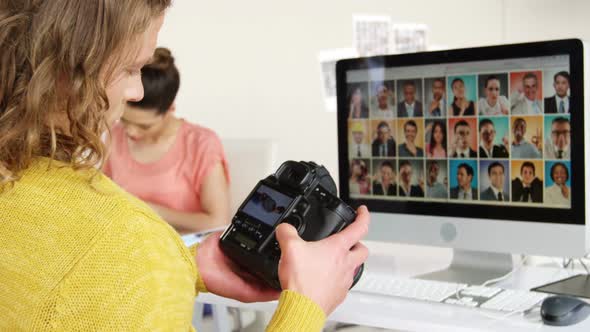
column 75, row 256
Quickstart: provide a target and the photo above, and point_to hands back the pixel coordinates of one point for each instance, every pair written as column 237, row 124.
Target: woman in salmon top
column 178, row 168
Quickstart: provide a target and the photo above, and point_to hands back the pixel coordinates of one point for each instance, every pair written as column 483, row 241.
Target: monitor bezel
column 574, row 215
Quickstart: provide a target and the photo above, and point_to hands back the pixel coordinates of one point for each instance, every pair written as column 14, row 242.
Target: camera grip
column 336, row 219
column 337, row 223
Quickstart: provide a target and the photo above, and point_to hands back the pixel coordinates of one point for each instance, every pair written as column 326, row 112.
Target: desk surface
column 414, row 315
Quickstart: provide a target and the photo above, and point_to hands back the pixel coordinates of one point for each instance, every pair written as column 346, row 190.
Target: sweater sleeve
column 200, row 284
column 296, row 312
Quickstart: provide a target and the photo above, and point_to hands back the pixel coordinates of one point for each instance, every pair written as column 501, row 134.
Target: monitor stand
column 473, row 267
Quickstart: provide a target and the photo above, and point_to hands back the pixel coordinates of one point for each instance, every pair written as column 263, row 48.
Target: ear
column 170, row 112
column 172, row 108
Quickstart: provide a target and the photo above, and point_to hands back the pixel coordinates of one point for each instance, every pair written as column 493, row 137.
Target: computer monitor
column 480, row 149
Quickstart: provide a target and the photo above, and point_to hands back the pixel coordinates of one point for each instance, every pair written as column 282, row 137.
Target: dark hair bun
column 163, row 59
column 160, row 80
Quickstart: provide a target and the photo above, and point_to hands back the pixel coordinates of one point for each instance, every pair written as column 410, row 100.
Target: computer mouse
column 564, row 310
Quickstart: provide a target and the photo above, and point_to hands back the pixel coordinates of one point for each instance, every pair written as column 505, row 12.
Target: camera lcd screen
column 267, row 205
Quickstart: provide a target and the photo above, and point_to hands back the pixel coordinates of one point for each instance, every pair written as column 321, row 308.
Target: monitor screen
column 267, row 205
column 486, row 137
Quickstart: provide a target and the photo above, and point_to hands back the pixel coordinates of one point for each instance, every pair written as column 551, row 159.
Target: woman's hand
column 565, row 191
column 323, row 270
column 433, row 105
column 225, row 278
column 503, row 108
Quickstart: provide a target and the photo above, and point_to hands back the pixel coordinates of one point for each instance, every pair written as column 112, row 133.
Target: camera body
column 302, row 194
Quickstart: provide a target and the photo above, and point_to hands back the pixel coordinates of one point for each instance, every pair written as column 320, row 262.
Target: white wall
column 547, row 19
column 249, row 68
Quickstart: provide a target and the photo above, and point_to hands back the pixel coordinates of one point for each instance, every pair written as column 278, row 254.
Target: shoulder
column 137, row 231
column 197, row 134
column 79, row 210
column 200, row 145
column 134, row 272
column 517, row 99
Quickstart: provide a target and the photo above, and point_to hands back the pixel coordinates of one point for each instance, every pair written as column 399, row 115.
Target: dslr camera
column 302, row 194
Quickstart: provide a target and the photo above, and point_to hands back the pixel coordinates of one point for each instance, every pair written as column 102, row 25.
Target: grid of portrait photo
column 498, row 138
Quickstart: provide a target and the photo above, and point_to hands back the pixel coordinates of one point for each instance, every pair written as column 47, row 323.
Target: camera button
column 294, row 220
column 302, row 206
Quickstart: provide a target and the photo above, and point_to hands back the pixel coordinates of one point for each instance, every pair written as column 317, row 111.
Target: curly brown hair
column 57, row 58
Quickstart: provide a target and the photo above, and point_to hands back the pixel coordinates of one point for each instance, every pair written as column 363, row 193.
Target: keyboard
column 488, row 298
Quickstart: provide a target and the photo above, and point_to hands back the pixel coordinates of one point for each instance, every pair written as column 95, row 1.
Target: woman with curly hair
column 78, row 252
